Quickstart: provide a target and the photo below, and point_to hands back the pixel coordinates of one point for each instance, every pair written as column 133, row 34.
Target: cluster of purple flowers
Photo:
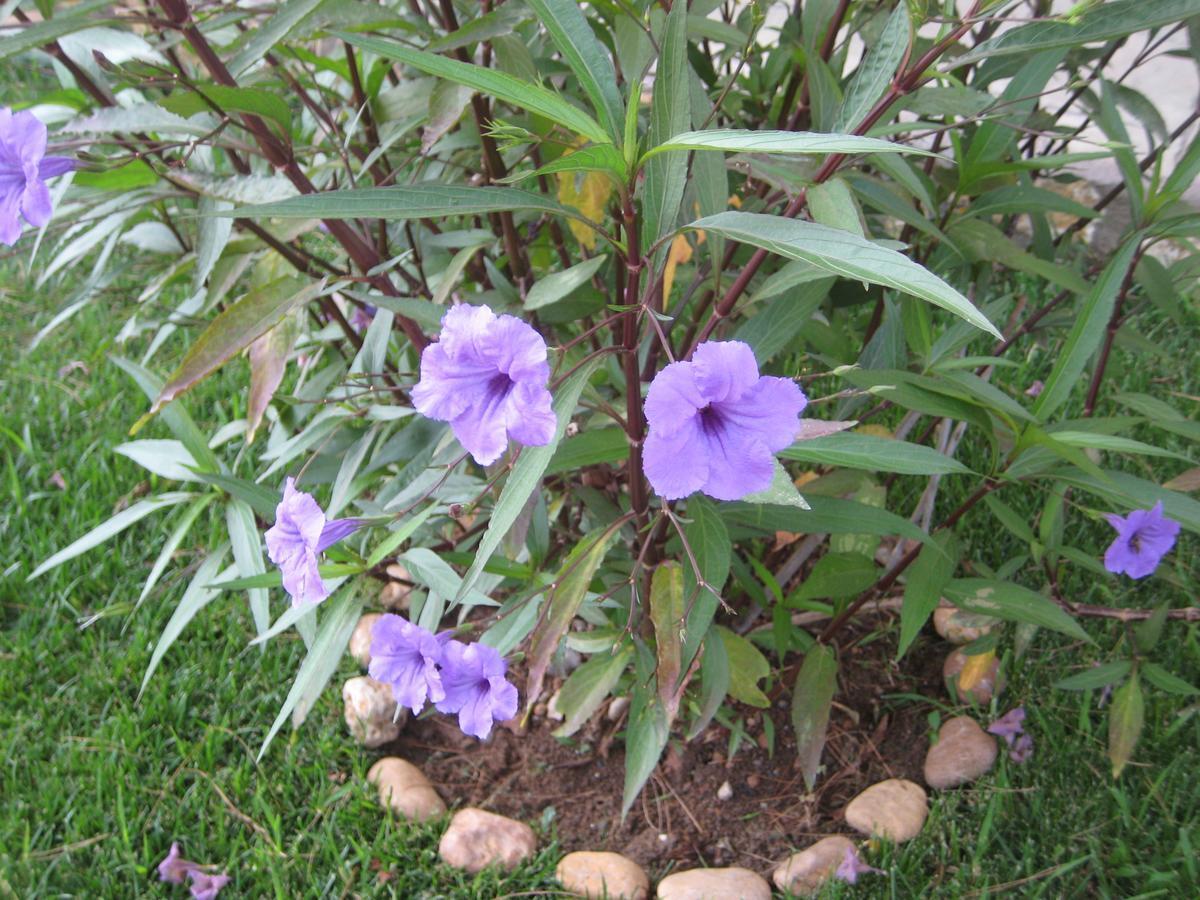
column 463, row 679
column 24, row 168
column 1010, row 726
column 175, row 869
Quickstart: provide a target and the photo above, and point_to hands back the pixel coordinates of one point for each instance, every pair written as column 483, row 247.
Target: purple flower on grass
column 300, row 534
column 486, row 376
column 1144, row 537
column 851, row 867
column 205, row 886
column 1010, row 726
column 407, row 657
column 24, row 168
column 475, row 687
column 716, row 424
column 174, row 868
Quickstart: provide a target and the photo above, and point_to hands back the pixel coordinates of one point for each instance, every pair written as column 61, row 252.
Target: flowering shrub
column 531, row 288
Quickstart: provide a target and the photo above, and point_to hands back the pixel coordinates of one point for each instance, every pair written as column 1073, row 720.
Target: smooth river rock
column 983, row 690
column 598, row 874
column 405, row 789
column 805, row 873
column 960, row 627
column 894, row 809
column 370, row 711
column 963, row 752
column 360, row 641
column 714, row 884
column 477, row 839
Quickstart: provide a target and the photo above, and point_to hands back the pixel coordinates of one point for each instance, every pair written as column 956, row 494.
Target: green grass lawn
column 95, row 784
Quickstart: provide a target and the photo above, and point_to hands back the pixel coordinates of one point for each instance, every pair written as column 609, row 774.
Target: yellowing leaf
column 681, row 252
column 588, row 192
column 974, row 670
column 876, row 430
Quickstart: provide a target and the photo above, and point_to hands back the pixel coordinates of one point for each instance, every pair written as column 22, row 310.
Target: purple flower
column 174, row 868
column 407, row 657
column 205, row 886
column 24, row 168
column 361, row 318
column 1010, row 726
column 487, row 376
column 475, row 688
column 716, row 424
column 851, row 867
column 1035, row 389
column 299, row 535
column 1144, row 537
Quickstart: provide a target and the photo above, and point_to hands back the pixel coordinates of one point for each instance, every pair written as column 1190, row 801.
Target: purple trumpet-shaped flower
column 298, row 537
column 486, row 376
column 407, row 657
column 1144, row 537
column 205, row 886
column 362, row 317
column 174, row 868
column 24, row 168
column 475, row 687
column 716, row 424
column 1010, row 726
column 852, row 866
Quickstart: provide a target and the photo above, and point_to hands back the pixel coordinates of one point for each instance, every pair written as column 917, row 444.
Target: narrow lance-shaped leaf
column 927, row 578
column 268, row 360
column 812, row 697
column 845, row 254
column 666, row 612
column 570, row 587
column 1013, row 603
column 874, row 454
column 502, row 86
column 647, row 732
column 708, row 539
column 587, row 687
column 232, row 331
column 670, row 113
column 1125, row 719
column 263, row 38
column 736, row 140
column 876, row 71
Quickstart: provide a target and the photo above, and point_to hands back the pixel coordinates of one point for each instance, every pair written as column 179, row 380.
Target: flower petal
column 465, row 332
column 53, row 166
column 673, row 398
column 676, row 463
column 724, row 370
column 517, row 350
column 448, row 386
column 769, row 411
column 530, row 415
column 738, row 465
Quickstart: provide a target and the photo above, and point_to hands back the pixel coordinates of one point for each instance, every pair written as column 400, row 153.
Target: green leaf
column 265, row 36
column 248, row 557
column 709, row 541
column 500, row 22
column 268, row 359
column 735, row 140
column 780, row 492
column 570, row 587
column 199, row 594
column 233, row 331
column 645, row 739
column 927, row 579
column 526, row 475
column 832, row 203
column 176, row 417
column 1013, row 603
column 837, row 575
column 1097, row 22
column 1148, row 633
column 41, row 33
column 1166, row 681
column 262, row 500
column 341, row 614
column 1113, row 443
column 400, row 203
column 844, row 254
column 747, row 667
column 670, row 113
column 772, row 329
column 1122, row 489
column 111, row 528
column 875, row 73
column 559, row 285
column 165, row 458
column 588, row 686
column 812, row 697
column 714, row 682
column 589, row 448
column 189, row 102
column 666, row 614
column 167, row 552
column 1095, row 677
column 592, row 158
column 397, row 537
column 573, row 36
column 521, row 94
column 1125, row 719
column 874, row 454
column 828, row 515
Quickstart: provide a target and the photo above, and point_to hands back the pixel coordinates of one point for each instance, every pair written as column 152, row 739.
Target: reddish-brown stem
column 633, row 383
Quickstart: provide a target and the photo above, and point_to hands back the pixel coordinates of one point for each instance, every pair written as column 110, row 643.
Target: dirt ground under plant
column 680, row 820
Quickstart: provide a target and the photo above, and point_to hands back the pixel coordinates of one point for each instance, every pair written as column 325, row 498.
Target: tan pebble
column 596, row 874
column 394, row 596
column 725, row 791
column 894, row 809
column 370, row 711
column 616, row 708
column 714, row 884
column 477, row 839
column 405, row 789
column 805, row 873
column 963, row 752
column 360, row 641
column 752, row 780
column 552, row 710
column 959, row 627
column 397, row 572
column 982, row 691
